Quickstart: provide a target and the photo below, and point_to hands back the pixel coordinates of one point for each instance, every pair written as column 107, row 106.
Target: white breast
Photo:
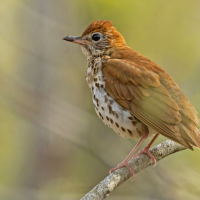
column 111, row 113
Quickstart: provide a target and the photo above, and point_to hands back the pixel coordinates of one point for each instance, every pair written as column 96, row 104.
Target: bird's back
column 188, row 124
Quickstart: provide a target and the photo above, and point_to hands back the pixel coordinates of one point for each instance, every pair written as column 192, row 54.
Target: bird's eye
column 96, row 37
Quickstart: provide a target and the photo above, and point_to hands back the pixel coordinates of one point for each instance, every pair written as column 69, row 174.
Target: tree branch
column 106, row 186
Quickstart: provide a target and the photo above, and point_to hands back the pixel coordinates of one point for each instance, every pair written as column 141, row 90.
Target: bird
column 133, row 95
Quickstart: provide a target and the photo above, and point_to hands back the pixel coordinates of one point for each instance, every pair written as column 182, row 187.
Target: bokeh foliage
column 53, row 146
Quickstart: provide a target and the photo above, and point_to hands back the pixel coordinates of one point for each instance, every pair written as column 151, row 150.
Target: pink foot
column 146, row 150
column 123, row 164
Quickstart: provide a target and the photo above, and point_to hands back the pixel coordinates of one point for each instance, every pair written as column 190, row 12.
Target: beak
column 77, row 40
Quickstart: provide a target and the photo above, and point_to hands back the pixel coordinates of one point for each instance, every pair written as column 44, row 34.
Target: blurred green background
column 52, row 144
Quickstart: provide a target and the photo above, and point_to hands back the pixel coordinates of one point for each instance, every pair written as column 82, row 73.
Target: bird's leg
column 146, row 150
column 125, row 162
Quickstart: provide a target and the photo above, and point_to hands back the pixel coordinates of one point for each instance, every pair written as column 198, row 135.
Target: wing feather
column 127, row 95
column 118, row 88
column 114, row 91
column 133, row 92
column 142, row 93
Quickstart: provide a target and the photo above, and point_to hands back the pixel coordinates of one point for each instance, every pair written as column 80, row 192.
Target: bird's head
column 99, row 38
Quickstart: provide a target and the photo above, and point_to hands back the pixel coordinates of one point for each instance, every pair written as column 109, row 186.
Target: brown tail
column 189, row 131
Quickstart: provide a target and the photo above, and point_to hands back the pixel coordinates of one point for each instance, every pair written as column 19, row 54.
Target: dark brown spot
column 102, row 108
column 111, row 101
column 92, row 64
column 110, row 108
column 101, row 86
column 139, row 132
column 97, row 85
column 131, row 118
column 107, row 118
column 97, row 100
column 92, row 88
column 117, row 125
column 95, row 79
column 123, row 129
column 134, row 123
column 111, row 121
column 106, row 100
column 94, row 70
column 129, row 131
column 101, row 115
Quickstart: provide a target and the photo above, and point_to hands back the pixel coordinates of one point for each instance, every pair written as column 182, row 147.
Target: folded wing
column 141, row 92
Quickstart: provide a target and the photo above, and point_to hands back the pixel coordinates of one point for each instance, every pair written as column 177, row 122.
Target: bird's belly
column 114, row 116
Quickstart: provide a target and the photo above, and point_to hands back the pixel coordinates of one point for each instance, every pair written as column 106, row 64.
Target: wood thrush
column 133, row 95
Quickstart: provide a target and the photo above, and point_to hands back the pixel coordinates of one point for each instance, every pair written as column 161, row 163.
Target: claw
column 146, row 150
column 123, row 164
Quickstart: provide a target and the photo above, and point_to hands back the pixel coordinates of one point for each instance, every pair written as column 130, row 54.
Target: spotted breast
column 111, row 113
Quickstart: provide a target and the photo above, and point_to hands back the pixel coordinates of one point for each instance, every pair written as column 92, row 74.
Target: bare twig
column 106, row 186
